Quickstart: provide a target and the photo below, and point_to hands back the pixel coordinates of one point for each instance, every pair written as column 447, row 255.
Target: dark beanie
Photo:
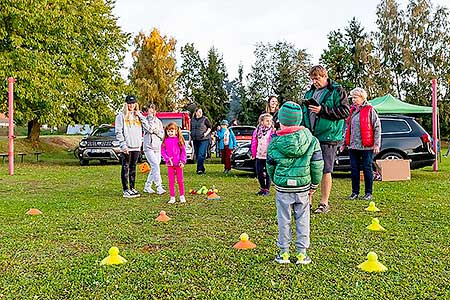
column 290, row 114
column 130, row 99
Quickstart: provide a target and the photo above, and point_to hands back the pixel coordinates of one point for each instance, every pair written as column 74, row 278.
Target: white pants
column 154, row 159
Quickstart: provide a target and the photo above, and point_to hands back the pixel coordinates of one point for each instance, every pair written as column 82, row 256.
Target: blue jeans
column 361, row 160
column 299, row 204
column 200, row 148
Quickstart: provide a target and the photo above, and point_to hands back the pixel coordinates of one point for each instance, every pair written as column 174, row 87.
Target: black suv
column 100, row 145
column 401, row 138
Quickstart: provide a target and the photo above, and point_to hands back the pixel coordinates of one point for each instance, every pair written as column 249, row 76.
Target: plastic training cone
column 375, row 226
column 113, row 258
column 372, row 207
column 244, row 243
column 162, row 217
column 372, row 264
column 213, row 196
column 33, row 212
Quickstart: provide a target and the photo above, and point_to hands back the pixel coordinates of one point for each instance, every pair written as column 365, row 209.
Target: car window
column 186, row 136
column 391, row 126
column 242, row 131
column 177, row 121
column 104, row 131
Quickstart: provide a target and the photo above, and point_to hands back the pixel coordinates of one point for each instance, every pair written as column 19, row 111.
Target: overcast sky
column 235, row 26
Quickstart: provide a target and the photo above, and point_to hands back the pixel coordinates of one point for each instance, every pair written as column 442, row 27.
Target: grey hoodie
column 129, row 131
column 153, row 137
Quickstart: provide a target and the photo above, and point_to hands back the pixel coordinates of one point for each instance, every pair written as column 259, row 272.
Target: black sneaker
column 128, row 194
column 353, row 196
column 135, row 192
column 200, row 172
column 368, row 197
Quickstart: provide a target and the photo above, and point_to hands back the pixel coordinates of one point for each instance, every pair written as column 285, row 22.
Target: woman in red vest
column 363, row 139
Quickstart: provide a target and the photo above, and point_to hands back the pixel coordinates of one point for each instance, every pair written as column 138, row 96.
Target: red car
column 243, row 133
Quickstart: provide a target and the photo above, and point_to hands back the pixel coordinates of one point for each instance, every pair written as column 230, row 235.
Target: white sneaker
column 160, row 190
column 149, row 190
column 182, row 199
column 172, row 200
column 128, row 194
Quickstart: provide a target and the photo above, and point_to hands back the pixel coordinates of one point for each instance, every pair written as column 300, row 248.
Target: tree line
column 67, row 59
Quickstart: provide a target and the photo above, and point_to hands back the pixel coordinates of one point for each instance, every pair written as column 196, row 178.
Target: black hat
column 130, row 99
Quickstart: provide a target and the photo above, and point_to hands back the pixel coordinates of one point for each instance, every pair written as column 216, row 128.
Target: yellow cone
column 375, row 226
column 372, row 264
column 372, row 207
column 113, row 258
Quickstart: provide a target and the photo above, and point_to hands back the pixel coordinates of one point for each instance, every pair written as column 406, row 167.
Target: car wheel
column 84, row 162
column 391, row 155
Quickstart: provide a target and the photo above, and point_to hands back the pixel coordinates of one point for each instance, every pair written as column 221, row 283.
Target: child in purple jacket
column 260, row 142
column 173, row 150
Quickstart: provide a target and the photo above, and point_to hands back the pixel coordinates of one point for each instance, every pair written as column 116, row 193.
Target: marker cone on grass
column 213, row 196
column 372, row 264
column 113, row 258
column 372, row 207
column 162, row 217
column 375, row 226
column 33, row 212
column 244, row 243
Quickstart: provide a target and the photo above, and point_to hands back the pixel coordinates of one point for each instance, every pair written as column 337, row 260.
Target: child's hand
column 181, row 165
column 170, row 161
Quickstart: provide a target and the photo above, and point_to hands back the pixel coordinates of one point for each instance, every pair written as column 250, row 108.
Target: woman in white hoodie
column 152, row 149
column 129, row 124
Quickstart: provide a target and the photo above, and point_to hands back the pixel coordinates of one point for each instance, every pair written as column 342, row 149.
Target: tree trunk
column 34, row 128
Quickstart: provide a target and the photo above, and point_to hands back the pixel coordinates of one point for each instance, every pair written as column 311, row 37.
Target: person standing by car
column 363, row 139
column 128, row 127
column 200, row 130
column 272, row 108
column 152, row 149
column 260, row 141
column 227, row 142
column 326, row 122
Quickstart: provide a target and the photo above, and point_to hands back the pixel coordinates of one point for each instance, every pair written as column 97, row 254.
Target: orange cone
column 33, row 212
column 244, row 243
column 213, row 196
column 162, row 217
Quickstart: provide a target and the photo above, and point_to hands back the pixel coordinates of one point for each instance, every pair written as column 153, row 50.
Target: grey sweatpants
column 299, row 202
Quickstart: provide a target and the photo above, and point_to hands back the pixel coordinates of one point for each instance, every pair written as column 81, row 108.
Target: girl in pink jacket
column 260, row 142
column 173, row 150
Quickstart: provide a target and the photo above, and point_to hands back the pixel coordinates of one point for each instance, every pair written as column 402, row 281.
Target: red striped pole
column 435, row 138
column 11, row 125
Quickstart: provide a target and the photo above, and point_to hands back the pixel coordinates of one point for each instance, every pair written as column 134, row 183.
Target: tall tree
column 66, row 57
column 154, row 70
column 190, row 79
column 236, row 90
column 279, row 69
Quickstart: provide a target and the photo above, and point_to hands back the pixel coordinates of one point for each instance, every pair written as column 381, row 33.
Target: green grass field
column 56, row 255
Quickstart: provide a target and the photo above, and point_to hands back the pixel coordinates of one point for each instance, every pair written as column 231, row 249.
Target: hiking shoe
column 368, row 197
column 149, row 190
column 353, row 196
column 322, row 209
column 182, row 199
column 128, row 194
column 283, row 258
column 200, row 172
column 160, row 190
column 172, row 200
column 303, row 259
column 135, row 192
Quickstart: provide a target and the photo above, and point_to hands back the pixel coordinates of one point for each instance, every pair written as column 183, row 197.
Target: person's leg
column 202, row 155
column 149, row 156
column 180, row 180
column 329, row 155
column 260, row 173
column 367, row 160
column 222, row 158
column 171, row 176
column 196, row 148
column 265, row 175
column 125, row 160
column 156, row 168
column 134, row 155
column 302, row 222
column 354, row 167
column 227, row 158
column 284, row 206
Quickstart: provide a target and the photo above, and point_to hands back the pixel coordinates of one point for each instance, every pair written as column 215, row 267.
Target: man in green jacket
column 325, row 118
column 294, row 164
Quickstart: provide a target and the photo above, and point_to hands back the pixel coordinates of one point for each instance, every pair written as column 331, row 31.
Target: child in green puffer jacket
column 295, row 165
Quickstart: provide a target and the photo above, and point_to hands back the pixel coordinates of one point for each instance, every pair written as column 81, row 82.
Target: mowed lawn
column 56, row 255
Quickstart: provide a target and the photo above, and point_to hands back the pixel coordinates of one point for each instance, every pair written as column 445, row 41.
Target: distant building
column 4, row 124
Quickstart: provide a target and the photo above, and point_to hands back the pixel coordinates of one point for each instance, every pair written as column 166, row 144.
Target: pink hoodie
column 171, row 149
column 254, row 144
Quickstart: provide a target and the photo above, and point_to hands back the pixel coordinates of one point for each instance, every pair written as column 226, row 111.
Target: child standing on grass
column 260, row 141
column 227, row 142
column 173, row 150
column 295, row 165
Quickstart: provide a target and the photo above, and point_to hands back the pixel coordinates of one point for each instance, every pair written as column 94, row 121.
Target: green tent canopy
column 388, row 104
